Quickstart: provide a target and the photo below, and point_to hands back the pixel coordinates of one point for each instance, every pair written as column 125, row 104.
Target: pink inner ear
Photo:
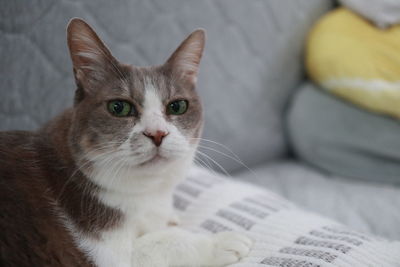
column 188, row 61
column 186, row 58
column 89, row 55
column 85, row 52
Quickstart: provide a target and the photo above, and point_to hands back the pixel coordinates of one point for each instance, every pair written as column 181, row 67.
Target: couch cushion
column 367, row 207
column 342, row 139
column 384, row 13
column 251, row 65
column 283, row 234
column 351, row 58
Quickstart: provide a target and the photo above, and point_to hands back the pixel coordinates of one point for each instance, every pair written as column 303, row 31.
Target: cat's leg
column 178, row 247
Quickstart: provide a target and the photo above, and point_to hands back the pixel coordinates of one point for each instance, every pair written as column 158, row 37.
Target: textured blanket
column 284, row 234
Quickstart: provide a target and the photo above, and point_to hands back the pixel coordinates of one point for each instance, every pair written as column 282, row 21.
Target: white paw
column 148, row 261
column 230, row 247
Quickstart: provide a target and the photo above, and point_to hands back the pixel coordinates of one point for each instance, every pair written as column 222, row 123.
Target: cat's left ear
column 184, row 62
column 91, row 59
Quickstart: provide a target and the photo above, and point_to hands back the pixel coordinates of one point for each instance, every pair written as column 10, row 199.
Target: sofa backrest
column 252, row 61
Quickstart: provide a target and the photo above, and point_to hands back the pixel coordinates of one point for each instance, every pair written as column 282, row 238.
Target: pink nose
column 156, row 136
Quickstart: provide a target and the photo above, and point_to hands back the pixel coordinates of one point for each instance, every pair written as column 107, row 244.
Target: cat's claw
column 174, row 220
column 230, row 247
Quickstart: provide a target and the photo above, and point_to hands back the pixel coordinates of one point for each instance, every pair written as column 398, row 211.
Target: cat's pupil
column 175, row 106
column 118, row 107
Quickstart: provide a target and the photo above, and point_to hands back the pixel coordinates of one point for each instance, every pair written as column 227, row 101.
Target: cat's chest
column 141, row 214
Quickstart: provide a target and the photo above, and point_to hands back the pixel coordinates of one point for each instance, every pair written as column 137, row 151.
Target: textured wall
column 252, row 61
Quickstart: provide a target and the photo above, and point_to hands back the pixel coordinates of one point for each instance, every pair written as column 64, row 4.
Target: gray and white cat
column 93, row 187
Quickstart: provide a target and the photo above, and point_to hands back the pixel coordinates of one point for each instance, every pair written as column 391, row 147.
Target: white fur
column 153, row 118
column 144, row 196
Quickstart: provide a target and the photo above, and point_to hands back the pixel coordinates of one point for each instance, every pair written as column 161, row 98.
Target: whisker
column 228, row 156
column 236, row 158
column 214, row 142
column 205, row 164
column 215, row 162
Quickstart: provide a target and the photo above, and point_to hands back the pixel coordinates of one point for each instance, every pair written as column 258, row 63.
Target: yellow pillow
column 351, row 58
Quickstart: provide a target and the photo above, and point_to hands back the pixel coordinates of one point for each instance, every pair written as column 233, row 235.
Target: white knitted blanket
column 284, row 234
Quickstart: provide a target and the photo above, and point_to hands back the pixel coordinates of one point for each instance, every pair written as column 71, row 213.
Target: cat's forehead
column 139, row 80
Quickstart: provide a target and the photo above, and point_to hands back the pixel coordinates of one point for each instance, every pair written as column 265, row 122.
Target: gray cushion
column 251, row 46
column 366, row 207
column 342, row 139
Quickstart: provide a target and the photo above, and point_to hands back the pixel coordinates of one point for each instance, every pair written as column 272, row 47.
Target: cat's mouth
column 156, row 159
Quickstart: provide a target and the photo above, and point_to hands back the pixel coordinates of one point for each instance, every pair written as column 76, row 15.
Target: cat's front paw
column 230, row 247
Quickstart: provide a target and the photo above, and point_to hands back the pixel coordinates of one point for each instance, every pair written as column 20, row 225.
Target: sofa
column 253, row 84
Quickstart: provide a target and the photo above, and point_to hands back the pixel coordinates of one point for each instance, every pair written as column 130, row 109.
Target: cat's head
column 146, row 118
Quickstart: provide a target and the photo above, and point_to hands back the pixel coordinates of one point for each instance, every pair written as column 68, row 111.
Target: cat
column 93, row 187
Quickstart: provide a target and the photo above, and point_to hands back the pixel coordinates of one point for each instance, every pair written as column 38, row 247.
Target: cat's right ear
column 91, row 59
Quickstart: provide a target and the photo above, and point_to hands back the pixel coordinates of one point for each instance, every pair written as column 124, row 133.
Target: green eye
column 120, row 108
column 177, row 107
